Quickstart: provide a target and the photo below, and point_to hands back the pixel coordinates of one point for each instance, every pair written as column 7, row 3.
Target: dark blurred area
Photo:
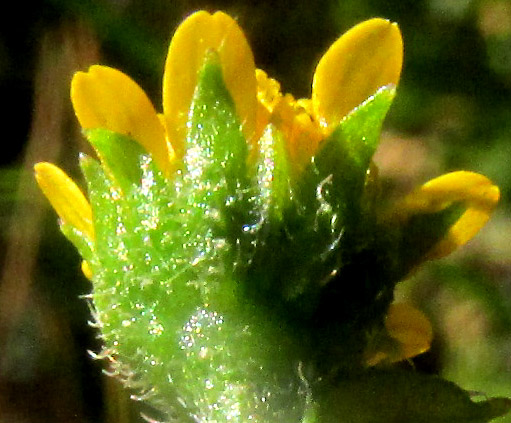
column 453, row 111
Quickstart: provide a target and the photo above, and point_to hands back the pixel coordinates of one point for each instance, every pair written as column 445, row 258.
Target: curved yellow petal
column 65, row 197
column 410, row 328
column 474, row 190
column 106, row 98
column 197, row 34
column 365, row 58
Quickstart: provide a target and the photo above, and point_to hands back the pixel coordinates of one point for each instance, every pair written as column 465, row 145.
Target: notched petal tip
column 199, row 33
column 106, row 98
column 65, row 197
column 365, row 58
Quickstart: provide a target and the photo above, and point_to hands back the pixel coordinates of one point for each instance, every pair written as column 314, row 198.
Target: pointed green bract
column 120, row 156
column 272, row 175
column 84, row 246
column 346, row 155
column 216, row 151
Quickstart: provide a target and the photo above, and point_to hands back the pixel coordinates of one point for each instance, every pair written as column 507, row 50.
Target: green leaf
column 403, row 397
column 120, row 156
column 216, row 150
column 104, row 209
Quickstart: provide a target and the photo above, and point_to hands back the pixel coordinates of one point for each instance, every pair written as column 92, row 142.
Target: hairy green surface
column 238, row 291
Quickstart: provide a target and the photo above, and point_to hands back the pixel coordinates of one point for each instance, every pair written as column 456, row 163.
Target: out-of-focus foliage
column 452, row 111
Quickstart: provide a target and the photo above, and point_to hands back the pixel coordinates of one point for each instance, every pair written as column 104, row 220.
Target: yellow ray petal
column 198, row 33
column 474, row 190
column 65, row 197
column 106, row 98
column 365, row 58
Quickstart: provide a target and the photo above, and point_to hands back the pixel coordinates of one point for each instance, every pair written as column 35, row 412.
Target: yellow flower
column 364, row 59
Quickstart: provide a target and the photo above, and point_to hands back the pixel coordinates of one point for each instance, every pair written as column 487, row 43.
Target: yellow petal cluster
column 361, row 61
column 365, row 58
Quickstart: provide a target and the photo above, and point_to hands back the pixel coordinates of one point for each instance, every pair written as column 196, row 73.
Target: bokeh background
column 453, row 111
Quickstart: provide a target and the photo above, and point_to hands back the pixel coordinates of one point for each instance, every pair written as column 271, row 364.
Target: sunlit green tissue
column 237, row 291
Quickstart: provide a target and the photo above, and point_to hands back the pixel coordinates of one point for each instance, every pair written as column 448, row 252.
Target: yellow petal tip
column 199, row 33
column 106, row 98
column 408, row 333
column 364, row 59
column 65, row 197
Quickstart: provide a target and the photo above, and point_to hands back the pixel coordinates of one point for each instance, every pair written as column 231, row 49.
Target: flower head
column 238, row 198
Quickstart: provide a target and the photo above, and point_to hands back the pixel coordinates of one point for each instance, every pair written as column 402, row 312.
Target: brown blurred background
column 453, row 111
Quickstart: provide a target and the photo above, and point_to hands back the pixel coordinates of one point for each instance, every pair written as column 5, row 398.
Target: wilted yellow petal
column 408, row 333
column 197, row 34
column 475, row 191
column 106, row 98
column 65, row 197
column 365, row 58
column 410, row 328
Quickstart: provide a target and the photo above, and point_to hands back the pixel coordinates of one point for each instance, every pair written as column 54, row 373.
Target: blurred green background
column 453, row 111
